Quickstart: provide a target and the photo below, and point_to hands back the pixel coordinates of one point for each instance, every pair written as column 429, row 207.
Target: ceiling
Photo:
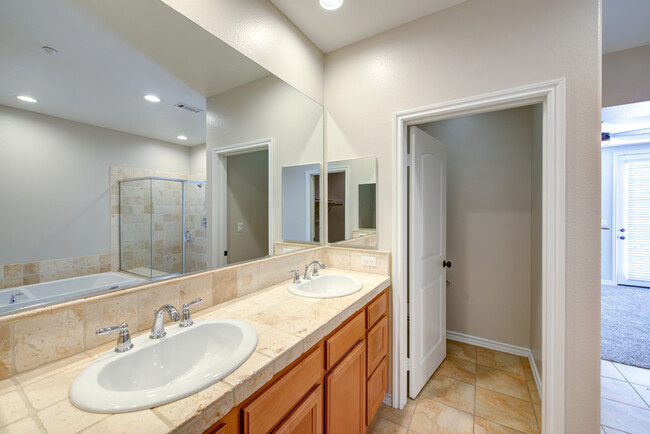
column 625, row 24
column 108, row 60
column 356, row 19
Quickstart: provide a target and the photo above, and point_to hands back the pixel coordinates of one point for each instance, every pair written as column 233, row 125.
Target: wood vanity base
column 336, row 387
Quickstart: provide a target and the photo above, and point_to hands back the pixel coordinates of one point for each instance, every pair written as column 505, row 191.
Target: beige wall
column 268, row 108
column 471, row 49
column 260, row 31
column 625, row 76
column 247, row 202
column 489, row 223
column 54, row 183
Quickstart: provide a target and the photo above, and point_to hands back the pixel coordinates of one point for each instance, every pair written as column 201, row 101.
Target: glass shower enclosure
column 162, row 226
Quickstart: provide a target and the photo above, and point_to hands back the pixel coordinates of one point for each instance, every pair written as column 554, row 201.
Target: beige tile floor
column 624, row 398
column 475, row 390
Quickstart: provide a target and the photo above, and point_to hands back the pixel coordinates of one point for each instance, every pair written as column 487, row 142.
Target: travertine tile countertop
column 288, row 325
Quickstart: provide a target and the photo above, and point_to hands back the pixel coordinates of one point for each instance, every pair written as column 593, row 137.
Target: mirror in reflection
column 137, row 157
column 352, row 202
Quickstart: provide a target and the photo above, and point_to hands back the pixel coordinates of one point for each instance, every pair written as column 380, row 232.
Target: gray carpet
column 625, row 328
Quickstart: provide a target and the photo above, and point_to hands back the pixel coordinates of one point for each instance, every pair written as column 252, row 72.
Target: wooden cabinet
column 376, row 390
column 377, row 341
column 268, row 409
column 336, row 387
column 345, row 397
column 307, row 418
column 341, row 341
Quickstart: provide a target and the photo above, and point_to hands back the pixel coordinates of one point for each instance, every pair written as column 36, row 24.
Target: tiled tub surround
column 12, row 275
column 34, row 338
column 288, row 326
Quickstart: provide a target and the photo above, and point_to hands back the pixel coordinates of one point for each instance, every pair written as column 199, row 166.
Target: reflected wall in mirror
column 300, row 204
column 352, row 202
column 95, row 178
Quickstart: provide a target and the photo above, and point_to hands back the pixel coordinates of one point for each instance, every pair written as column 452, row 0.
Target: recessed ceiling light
column 331, row 5
column 152, row 98
column 49, row 50
column 181, row 137
column 26, row 98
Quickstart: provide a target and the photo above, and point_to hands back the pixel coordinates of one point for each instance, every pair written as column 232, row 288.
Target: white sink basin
column 158, row 371
column 327, row 286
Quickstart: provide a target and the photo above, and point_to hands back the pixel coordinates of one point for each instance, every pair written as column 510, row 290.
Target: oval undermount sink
column 327, row 286
column 158, row 371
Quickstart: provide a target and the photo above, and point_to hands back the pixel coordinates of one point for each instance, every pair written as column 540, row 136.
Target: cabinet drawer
column 377, row 308
column 377, row 341
column 376, row 390
column 268, row 409
column 307, row 418
column 344, row 339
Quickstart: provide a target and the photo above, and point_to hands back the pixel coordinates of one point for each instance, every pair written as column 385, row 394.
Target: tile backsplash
column 33, row 338
column 12, row 275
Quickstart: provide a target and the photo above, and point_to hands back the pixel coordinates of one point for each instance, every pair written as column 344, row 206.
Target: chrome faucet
column 187, row 320
column 123, row 338
column 296, row 276
column 158, row 328
column 12, row 300
column 314, row 269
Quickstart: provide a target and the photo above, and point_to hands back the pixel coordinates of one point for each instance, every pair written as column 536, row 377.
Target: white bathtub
column 62, row 290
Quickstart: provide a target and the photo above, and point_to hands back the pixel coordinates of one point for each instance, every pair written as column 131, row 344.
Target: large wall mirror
column 94, row 178
column 352, row 202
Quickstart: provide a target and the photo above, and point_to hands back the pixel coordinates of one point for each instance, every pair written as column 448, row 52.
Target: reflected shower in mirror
column 352, row 202
column 118, row 160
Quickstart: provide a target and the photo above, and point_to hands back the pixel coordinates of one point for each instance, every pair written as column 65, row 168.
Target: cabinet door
column 377, row 388
column 307, row 418
column 345, row 394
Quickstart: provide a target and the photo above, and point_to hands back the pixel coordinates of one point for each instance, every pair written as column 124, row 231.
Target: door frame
column 310, row 230
column 616, row 186
column 346, row 212
column 220, row 194
column 552, row 96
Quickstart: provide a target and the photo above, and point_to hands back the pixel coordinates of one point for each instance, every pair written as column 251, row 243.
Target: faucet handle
column 187, row 321
column 123, row 339
column 296, row 276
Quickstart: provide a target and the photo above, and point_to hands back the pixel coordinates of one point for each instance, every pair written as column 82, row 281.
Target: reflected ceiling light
column 331, row 5
column 181, row 137
column 152, row 98
column 26, row 98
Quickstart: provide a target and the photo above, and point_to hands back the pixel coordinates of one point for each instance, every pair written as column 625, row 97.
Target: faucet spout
column 158, row 328
column 314, row 270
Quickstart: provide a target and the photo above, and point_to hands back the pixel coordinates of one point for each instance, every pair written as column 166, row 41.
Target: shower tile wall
column 135, row 203
column 167, row 206
column 196, row 253
column 167, row 224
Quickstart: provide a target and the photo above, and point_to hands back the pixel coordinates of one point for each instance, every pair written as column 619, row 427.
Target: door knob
column 446, row 264
column 621, row 238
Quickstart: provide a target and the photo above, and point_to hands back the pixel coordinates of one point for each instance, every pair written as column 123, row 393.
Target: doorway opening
column 242, row 202
column 625, row 239
column 551, row 97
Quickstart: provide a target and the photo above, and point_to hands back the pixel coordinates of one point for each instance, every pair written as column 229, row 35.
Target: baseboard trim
column 500, row 346
column 607, row 282
column 388, row 400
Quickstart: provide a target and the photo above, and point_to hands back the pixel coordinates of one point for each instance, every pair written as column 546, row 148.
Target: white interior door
column 427, row 250
column 633, row 220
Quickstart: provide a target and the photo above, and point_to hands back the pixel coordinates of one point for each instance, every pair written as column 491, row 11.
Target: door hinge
column 409, row 159
column 408, row 364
